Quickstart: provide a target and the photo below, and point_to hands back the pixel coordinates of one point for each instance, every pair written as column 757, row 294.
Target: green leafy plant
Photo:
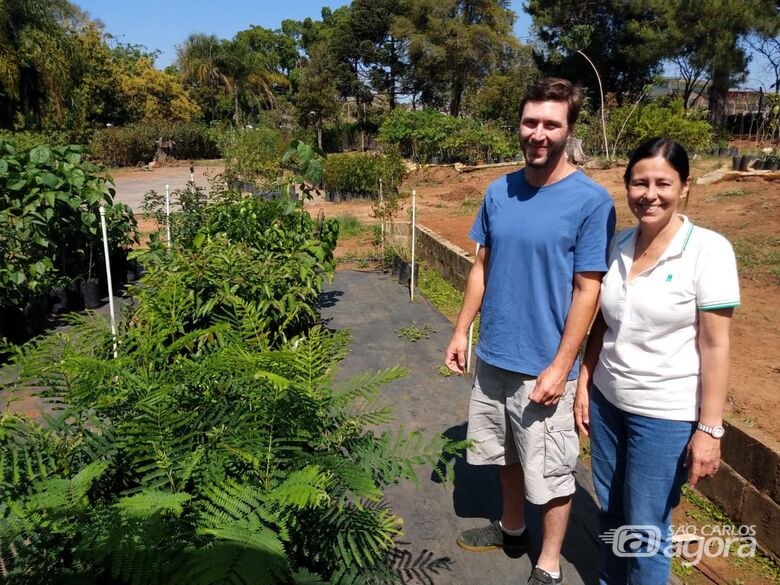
column 414, row 333
column 253, row 155
column 360, row 173
column 49, row 219
column 214, row 447
column 307, row 163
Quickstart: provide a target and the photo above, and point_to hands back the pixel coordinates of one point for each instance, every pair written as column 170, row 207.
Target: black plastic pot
column 395, row 266
column 35, row 313
column 90, row 292
column 75, row 300
column 772, row 166
column 405, row 273
column 735, row 162
column 59, row 301
column 745, row 162
column 759, row 166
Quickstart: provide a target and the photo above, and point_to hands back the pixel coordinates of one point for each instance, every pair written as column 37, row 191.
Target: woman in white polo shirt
column 653, row 382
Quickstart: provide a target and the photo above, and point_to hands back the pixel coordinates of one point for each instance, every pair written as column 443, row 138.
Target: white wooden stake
column 108, row 275
column 471, row 331
column 168, row 213
column 414, row 230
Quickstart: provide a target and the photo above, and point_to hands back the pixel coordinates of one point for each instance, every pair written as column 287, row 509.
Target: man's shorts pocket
column 561, row 446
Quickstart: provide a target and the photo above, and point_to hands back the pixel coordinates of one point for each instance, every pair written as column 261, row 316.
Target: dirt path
column 747, row 211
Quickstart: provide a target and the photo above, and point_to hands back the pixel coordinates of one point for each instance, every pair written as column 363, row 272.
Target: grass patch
column 471, row 203
column 760, row 260
column 442, row 295
column 350, row 226
column 414, row 333
column 733, row 194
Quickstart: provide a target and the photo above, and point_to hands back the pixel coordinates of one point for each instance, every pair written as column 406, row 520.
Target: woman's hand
column 581, row 406
column 702, row 458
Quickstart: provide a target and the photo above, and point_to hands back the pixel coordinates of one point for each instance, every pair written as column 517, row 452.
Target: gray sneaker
column 542, row 577
column 491, row 537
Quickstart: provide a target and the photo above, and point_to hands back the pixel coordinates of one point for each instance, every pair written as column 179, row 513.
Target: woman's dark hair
column 671, row 151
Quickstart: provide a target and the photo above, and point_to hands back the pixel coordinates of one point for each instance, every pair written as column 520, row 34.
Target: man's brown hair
column 555, row 89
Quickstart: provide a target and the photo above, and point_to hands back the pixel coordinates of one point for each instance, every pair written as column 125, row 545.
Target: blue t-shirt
column 538, row 238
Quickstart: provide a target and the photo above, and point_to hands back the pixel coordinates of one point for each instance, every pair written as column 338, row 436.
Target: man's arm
column 551, row 383
column 455, row 357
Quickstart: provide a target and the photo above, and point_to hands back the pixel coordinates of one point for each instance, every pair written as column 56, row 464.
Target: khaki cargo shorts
column 508, row 428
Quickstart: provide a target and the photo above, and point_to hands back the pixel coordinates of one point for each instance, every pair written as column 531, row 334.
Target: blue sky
column 163, row 24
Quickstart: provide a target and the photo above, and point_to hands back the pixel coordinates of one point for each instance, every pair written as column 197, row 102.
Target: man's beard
column 554, row 151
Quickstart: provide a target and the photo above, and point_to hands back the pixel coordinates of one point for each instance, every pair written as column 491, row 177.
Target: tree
column 452, row 45
column 316, row 97
column 34, row 53
column 503, row 89
column 606, row 31
column 711, row 33
column 202, row 62
column 769, row 49
column 151, row 94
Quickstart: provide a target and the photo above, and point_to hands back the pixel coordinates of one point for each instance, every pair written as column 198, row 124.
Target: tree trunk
column 393, row 72
column 457, row 94
column 718, row 92
column 236, row 116
column 319, row 134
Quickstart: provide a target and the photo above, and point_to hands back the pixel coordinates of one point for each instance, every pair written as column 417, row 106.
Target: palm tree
column 33, row 65
column 251, row 75
column 203, row 61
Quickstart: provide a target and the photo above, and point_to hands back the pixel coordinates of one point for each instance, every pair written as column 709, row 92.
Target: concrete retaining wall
column 747, row 486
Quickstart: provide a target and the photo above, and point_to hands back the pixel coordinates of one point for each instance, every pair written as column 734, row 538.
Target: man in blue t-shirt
column 543, row 233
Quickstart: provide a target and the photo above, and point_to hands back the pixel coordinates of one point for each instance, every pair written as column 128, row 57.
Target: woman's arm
column 703, row 457
column 589, row 361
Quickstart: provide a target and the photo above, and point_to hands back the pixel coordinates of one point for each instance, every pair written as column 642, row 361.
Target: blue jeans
column 638, row 470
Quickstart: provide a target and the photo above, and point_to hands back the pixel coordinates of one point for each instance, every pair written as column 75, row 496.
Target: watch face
column 718, row 432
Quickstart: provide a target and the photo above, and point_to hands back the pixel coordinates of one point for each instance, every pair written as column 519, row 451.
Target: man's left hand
column 550, row 386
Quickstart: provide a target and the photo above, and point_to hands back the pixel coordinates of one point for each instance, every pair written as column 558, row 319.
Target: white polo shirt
column 649, row 363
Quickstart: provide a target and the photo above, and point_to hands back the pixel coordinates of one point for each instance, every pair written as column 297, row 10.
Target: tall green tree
column 452, row 45
column 713, row 33
column 316, row 97
column 606, row 32
column 503, row 89
column 34, row 50
column 202, row 62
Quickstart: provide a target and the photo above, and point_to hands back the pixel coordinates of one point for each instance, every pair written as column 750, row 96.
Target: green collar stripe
column 627, row 237
column 687, row 237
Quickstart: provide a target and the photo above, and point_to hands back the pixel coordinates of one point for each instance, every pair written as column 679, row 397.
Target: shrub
column 253, row 154
column 425, row 134
column 360, row 173
column 130, row 145
column 630, row 125
column 49, row 220
column 27, row 140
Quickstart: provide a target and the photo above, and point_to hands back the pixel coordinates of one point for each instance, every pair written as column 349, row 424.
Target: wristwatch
column 716, row 432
